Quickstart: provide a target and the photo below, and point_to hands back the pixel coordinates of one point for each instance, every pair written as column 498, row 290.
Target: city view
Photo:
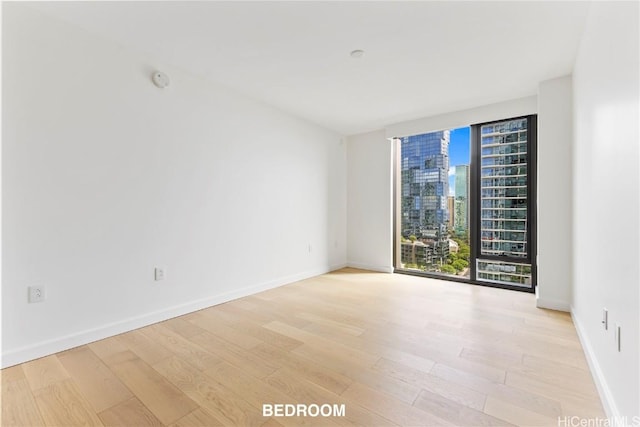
column 435, row 209
column 434, row 202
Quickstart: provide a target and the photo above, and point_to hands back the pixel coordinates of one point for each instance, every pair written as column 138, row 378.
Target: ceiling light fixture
column 357, row 53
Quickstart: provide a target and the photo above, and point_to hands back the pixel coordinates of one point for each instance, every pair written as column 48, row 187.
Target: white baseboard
column 55, row 345
column 553, row 304
column 606, row 396
column 381, row 269
column 338, row 266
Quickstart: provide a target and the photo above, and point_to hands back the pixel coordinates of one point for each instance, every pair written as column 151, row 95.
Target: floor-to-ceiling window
column 434, row 201
column 464, row 203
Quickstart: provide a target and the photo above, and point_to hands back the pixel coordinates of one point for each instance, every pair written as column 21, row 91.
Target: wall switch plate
column 159, row 273
column 618, row 346
column 36, row 294
column 605, row 319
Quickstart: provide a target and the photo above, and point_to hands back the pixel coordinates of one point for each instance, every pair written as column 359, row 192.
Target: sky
column 459, row 146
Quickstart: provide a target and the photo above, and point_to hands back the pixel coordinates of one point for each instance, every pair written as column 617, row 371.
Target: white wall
column 605, row 203
column 369, row 218
column 484, row 113
column 106, row 176
column 554, row 213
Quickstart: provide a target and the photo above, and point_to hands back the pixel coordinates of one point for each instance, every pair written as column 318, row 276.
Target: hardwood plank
column 387, row 339
column 433, row 384
column 516, row 415
column 224, row 404
column 556, row 340
column 449, row 355
column 129, row 413
column 235, row 355
column 454, row 412
column 348, row 353
column 12, row 373
column 19, row 407
column 387, row 351
column 536, row 347
column 182, row 347
column 528, row 400
column 237, row 308
column 492, row 357
column 198, row 418
column 105, row 349
column 144, row 347
column 255, row 330
column 410, row 360
column 570, row 383
column 252, row 389
column 181, row 326
column 269, row 311
column 401, row 390
column 96, row 382
column 62, row 404
column 390, row 408
column 305, row 392
column 120, row 357
column 524, row 398
column 161, row 397
column 465, row 378
column 583, row 408
column 553, row 391
column 545, row 368
column 257, row 393
column 43, row 372
column 337, row 311
column 329, row 324
column 401, row 371
column 209, row 321
column 304, row 368
column 562, row 329
column 271, row 422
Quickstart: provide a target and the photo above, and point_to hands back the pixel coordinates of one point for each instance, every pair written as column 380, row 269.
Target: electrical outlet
column 605, row 319
column 159, row 273
column 36, row 294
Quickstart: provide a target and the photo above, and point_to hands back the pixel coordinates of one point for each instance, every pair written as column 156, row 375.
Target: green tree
column 460, row 264
column 413, row 238
column 464, row 252
column 449, row 269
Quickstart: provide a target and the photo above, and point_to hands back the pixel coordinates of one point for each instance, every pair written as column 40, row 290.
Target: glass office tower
column 461, row 203
column 424, row 195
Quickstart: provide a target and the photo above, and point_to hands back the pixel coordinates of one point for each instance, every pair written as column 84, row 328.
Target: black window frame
column 475, row 216
column 476, row 208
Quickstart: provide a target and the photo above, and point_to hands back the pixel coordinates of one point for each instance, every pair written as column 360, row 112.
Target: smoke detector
column 160, row 79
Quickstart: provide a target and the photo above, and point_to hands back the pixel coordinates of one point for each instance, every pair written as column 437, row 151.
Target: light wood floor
column 395, row 349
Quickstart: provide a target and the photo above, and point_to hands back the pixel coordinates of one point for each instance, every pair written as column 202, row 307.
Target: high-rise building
column 425, row 190
column 461, row 206
column 503, row 199
column 451, row 205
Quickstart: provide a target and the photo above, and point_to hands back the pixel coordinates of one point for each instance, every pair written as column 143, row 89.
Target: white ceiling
column 422, row 58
